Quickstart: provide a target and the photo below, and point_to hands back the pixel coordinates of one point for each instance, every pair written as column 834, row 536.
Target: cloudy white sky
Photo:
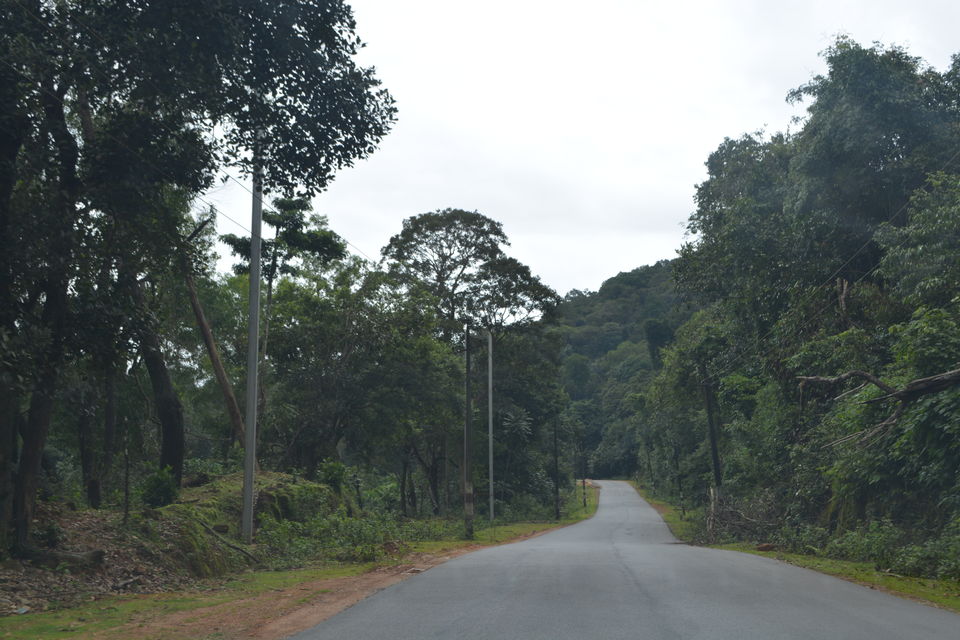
column 583, row 126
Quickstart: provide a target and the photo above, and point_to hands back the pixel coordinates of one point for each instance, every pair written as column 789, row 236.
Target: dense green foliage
column 120, row 345
column 812, row 254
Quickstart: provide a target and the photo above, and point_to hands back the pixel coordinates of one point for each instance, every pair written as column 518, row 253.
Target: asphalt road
column 621, row 574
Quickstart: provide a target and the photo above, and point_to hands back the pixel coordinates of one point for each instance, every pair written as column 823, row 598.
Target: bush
column 880, row 542
column 803, row 539
column 340, row 537
column 938, row 557
column 159, row 489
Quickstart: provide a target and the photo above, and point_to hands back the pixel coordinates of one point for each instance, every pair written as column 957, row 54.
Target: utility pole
column 253, row 351
column 490, row 415
column 583, row 465
column 556, row 470
column 710, row 402
column 467, row 453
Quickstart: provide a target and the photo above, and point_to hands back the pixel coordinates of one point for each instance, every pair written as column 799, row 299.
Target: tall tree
column 457, row 257
column 96, row 133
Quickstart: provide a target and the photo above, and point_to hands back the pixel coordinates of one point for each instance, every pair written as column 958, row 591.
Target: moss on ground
column 188, row 528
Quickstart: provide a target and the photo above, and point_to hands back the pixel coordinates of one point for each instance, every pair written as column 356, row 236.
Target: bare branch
column 869, row 377
column 910, row 392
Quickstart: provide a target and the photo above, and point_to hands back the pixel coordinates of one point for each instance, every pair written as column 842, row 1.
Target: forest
column 124, row 348
column 790, row 376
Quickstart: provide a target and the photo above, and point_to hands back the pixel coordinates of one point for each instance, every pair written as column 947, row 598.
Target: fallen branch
column 851, row 391
column 54, row 559
column 910, row 392
column 869, row 377
column 923, row 386
column 229, row 544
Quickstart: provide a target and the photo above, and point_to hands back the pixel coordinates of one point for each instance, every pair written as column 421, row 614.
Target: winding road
column 622, row 574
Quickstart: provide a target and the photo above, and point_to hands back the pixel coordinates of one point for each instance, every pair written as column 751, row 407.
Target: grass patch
column 683, row 527
column 103, row 615
column 943, row 593
column 572, row 512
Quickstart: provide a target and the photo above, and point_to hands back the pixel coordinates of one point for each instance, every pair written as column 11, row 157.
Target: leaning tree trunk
column 233, row 410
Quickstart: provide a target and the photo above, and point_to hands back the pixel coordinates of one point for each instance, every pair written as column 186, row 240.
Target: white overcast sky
column 583, row 126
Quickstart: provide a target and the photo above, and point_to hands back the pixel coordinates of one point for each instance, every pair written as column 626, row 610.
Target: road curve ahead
column 622, row 575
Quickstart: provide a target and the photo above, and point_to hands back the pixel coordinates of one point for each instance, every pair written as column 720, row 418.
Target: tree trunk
column 432, row 471
column 55, row 309
column 712, row 429
column 412, row 497
column 9, row 425
column 233, row 410
column 169, row 409
column 446, row 476
column 87, row 464
column 109, row 426
column 403, row 487
column 34, row 436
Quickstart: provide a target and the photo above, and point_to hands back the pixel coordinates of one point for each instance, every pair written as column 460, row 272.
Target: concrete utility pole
column 556, row 470
column 490, row 414
column 467, row 453
column 253, row 352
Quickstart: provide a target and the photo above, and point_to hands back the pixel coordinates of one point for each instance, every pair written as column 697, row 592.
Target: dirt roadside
column 277, row 613
column 280, row 613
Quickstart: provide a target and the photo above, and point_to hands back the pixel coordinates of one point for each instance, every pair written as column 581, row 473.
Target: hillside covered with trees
column 792, row 373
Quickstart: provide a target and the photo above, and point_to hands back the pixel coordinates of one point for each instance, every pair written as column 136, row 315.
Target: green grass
column 485, row 535
column 942, row 593
column 106, row 614
column 109, row 613
column 682, row 526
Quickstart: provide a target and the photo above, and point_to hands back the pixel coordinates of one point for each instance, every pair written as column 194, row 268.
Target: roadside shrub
column 160, row 488
column 938, row 557
column 208, row 466
column 338, row 536
column 333, row 474
column 879, row 543
column 805, row 538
